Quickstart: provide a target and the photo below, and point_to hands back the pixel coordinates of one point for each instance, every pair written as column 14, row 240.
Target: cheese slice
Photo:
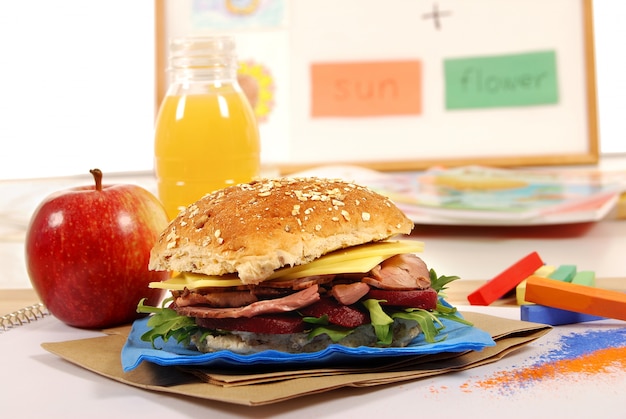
column 356, row 259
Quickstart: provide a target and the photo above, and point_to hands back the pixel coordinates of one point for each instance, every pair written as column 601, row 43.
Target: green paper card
column 501, row 81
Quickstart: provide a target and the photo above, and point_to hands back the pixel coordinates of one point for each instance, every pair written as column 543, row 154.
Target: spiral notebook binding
column 23, row 316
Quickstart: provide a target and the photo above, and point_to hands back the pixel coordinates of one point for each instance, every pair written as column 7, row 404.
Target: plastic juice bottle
column 206, row 135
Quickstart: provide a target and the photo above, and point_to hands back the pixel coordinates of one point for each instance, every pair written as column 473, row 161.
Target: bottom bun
column 404, row 331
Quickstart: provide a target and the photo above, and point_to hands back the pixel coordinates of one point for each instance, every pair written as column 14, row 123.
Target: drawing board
column 401, row 85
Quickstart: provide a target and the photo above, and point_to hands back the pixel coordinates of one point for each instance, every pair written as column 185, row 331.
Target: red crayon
column 506, row 280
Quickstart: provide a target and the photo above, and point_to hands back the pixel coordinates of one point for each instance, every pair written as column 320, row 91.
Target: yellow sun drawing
column 245, row 7
column 258, row 85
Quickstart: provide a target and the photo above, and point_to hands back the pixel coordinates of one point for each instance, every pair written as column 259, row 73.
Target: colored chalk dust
column 586, row 356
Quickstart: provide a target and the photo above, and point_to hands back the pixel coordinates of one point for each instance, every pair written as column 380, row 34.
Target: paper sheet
column 102, row 355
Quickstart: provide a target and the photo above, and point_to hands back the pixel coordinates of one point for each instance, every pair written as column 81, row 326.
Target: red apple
column 87, row 252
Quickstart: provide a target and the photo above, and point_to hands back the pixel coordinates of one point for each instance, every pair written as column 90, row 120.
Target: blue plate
column 458, row 338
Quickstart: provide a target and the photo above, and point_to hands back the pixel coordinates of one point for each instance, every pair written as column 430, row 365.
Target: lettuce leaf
column 334, row 332
column 439, row 283
column 166, row 324
column 380, row 321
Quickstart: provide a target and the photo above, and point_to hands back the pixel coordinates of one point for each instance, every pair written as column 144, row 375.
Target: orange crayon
column 575, row 297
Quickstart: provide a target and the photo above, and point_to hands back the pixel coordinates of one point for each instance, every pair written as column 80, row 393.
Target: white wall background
column 610, row 32
column 76, row 85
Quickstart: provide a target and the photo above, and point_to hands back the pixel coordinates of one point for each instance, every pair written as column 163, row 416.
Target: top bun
column 255, row 228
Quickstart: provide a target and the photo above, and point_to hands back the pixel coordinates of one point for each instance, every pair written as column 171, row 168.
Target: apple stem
column 97, row 175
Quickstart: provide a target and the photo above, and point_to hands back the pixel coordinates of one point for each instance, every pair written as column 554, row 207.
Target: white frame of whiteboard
column 564, row 134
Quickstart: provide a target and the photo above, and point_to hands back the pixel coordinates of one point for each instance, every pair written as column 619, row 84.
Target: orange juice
column 204, row 142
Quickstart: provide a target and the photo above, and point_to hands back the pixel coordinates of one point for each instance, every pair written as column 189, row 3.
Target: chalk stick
column 587, row 278
column 538, row 313
column 520, row 290
column 520, row 293
column 575, row 297
column 506, row 280
column 544, row 271
column 564, row 273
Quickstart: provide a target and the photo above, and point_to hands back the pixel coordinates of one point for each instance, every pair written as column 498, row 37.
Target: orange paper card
column 366, row 89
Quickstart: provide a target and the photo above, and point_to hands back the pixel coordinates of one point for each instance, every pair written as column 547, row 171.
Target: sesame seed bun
column 253, row 229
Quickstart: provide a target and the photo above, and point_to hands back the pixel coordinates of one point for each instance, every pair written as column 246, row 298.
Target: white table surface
column 39, row 384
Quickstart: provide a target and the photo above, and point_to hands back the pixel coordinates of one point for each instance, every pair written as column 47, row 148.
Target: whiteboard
column 313, row 32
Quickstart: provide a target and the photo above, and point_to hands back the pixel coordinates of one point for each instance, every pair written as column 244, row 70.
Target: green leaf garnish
column 166, row 324
column 316, row 320
column 439, row 283
column 450, row 313
column 334, row 332
column 428, row 322
column 380, row 321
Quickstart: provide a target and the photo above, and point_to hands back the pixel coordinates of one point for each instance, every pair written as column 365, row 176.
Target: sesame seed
column 345, row 214
column 365, row 216
column 301, row 196
column 171, row 238
column 193, row 211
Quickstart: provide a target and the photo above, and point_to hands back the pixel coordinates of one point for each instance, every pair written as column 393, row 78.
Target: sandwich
column 294, row 265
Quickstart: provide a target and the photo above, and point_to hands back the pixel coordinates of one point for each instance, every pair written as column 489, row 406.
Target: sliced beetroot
column 266, row 323
column 338, row 314
column 424, row 299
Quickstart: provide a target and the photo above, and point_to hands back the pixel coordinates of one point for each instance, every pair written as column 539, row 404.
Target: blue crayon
column 538, row 313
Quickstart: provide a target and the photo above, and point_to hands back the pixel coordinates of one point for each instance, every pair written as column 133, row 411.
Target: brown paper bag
column 102, row 355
